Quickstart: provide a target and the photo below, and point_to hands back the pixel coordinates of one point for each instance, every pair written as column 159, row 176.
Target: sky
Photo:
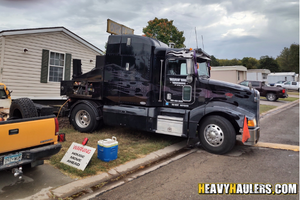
column 230, row 29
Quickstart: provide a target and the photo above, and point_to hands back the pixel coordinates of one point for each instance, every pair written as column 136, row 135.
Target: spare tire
column 22, row 108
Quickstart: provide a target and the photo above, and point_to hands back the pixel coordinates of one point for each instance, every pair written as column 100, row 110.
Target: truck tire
column 83, row 118
column 22, row 108
column 217, row 134
column 271, row 96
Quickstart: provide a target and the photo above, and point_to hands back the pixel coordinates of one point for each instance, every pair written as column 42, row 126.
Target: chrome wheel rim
column 82, row 119
column 213, row 135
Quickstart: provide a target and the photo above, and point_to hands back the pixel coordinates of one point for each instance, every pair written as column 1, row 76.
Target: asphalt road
column 282, row 127
column 179, row 179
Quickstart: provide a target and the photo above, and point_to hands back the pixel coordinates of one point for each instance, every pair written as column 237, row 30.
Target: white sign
column 78, row 156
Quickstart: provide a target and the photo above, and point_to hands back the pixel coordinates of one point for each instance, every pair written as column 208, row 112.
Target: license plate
column 12, row 159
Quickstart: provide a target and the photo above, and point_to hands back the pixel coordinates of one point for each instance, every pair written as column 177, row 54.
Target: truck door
column 178, row 91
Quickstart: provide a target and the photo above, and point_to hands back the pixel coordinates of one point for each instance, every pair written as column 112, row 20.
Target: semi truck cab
column 142, row 83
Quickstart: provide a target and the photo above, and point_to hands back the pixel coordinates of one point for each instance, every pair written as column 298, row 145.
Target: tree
column 165, row 31
column 283, row 59
column 294, row 58
column 235, row 62
column 288, row 59
column 266, row 62
column 249, row 62
column 214, row 61
column 226, row 62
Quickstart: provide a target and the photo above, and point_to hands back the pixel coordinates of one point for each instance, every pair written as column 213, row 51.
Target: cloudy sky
column 230, row 29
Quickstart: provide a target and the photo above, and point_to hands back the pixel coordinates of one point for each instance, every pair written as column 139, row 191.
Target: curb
column 277, row 146
column 277, row 109
column 81, row 185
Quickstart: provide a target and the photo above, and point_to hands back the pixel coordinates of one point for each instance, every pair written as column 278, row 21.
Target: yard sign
column 78, row 156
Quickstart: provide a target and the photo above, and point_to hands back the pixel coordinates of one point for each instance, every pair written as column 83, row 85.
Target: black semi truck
column 143, row 84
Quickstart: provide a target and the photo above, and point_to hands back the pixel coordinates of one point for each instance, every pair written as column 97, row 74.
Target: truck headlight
column 252, row 122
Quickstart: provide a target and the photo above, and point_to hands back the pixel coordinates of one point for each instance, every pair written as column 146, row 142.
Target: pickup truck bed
column 29, row 140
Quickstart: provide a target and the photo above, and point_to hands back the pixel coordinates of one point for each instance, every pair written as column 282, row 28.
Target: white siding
column 23, row 70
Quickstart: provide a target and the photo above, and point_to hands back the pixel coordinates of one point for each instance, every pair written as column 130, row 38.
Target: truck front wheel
column 83, row 118
column 217, row 135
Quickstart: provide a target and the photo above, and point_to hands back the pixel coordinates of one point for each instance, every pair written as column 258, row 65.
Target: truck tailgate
column 24, row 133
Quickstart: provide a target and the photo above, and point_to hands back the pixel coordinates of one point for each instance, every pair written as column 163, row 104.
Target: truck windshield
column 202, row 69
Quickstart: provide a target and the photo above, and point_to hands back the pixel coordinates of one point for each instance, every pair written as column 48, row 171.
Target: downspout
column 2, row 58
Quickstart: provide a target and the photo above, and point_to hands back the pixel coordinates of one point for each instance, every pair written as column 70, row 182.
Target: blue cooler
column 108, row 149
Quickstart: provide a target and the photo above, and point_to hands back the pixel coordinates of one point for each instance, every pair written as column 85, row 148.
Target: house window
column 56, row 67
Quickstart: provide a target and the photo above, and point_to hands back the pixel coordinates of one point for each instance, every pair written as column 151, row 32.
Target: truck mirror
column 189, row 66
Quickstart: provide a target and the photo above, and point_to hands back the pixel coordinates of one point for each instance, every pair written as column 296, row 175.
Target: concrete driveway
column 34, row 180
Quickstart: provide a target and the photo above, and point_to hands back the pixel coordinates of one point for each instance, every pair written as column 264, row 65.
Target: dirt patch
column 64, row 122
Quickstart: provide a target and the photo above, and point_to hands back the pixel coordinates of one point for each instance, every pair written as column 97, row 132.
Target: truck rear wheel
column 22, row 108
column 271, row 97
column 83, row 118
column 217, row 135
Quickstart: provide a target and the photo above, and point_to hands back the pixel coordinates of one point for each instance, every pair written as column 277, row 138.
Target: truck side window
column 173, row 68
column 255, row 84
column 2, row 94
column 187, row 93
column 176, row 68
column 245, row 83
column 183, row 69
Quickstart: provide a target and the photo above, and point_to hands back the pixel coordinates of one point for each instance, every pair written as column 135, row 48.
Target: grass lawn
column 288, row 99
column 293, row 93
column 132, row 144
column 264, row 108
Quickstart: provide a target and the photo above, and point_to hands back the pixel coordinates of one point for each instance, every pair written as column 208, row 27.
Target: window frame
column 49, row 66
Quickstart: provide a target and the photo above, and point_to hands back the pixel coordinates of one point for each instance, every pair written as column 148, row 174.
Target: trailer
column 281, row 76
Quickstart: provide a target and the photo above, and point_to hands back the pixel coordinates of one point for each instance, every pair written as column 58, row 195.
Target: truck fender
column 93, row 105
column 234, row 114
column 194, row 117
